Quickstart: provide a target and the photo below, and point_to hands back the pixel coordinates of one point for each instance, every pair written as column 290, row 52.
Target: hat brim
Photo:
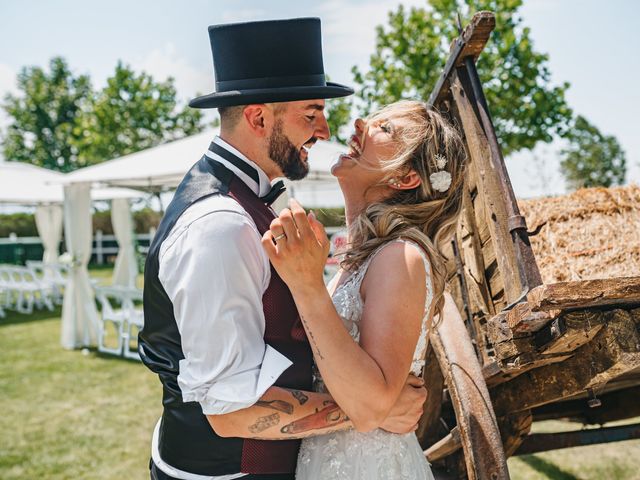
column 270, row 95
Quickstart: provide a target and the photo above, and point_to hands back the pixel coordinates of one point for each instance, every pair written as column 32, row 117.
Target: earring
column 394, row 182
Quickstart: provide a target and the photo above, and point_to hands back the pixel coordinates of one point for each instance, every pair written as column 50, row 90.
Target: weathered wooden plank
column 543, row 442
column 617, row 405
column 613, row 351
column 470, row 43
column 514, row 428
column 489, row 191
column 585, row 294
column 522, row 319
column 444, row 447
column 472, row 249
column 569, row 332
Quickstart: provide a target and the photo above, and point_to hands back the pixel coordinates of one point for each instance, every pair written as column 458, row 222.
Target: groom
column 221, row 328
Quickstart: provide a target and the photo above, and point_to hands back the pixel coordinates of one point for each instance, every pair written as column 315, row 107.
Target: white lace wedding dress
column 375, row 455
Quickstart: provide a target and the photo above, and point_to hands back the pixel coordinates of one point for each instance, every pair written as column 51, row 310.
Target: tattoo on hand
column 300, row 396
column 265, row 422
column 280, row 405
column 329, row 416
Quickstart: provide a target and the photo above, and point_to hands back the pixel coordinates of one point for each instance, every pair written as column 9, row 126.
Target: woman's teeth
column 306, row 149
column 354, row 148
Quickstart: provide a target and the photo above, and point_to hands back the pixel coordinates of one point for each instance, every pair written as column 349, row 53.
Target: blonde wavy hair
column 423, row 215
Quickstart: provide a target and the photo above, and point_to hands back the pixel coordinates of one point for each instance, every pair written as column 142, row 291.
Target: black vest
column 186, row 439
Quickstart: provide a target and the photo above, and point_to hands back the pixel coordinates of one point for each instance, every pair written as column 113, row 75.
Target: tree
column 338, row 116
column 43, row 118
column 412, row 50
column 59, row 122
column 131, row 113
column 591, row 158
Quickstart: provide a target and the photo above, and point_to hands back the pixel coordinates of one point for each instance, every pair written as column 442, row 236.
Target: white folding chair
column 29, row 290
column 6, row 286
column 110, row 317
column 135, row 322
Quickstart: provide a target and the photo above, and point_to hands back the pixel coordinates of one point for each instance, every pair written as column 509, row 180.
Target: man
column 221, row 328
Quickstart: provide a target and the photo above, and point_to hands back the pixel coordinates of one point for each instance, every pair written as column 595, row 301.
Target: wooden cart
column 510, row 350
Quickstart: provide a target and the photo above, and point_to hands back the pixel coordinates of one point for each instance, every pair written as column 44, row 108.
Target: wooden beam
column 470, row 43
column 614, row 351
column 543, row 442
column 614, row 406
column 569, row 332
column 444, row 447
column 585, row 294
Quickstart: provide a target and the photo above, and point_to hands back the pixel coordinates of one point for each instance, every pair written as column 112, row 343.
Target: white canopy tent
column 27, row 185
column 161, row 169
column 22, row 184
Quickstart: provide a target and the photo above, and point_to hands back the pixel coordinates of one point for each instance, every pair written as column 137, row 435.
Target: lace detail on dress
column 352, row 455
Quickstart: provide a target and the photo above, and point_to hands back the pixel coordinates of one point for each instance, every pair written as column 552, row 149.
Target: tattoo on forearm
column 300, row 396
column 329, row 416
column 265, row 422
column 311, row 337
column 280, row 405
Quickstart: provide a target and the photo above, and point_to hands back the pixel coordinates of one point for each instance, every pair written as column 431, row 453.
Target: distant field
column 67, row 415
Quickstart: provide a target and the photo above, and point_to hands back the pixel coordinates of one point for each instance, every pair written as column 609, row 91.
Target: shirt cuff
column 244, row 389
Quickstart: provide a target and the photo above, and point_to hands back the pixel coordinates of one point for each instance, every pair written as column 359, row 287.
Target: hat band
column 317, row 80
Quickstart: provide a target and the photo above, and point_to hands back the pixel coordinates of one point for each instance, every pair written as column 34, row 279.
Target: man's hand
column 406, row 413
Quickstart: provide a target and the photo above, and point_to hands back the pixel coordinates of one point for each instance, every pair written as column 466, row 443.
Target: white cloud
column 350, row 28
column 166, row 62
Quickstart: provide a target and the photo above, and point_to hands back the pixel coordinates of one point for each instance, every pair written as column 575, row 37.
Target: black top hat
column 268, row 61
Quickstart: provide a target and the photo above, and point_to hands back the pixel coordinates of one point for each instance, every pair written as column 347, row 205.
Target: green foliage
column 412, row 49
column 591, row 158
column 338, row 116
column 22, row 224
column 59, row 122
column 131, row 113
column 43, row 131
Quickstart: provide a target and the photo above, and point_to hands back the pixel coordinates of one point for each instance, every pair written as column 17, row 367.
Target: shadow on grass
column 547, row 468
column 13, row 317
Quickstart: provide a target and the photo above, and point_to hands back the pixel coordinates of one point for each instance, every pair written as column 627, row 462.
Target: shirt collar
column 260, row 188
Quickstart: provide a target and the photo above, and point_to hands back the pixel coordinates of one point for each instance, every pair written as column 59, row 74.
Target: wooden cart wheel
column 472, row 448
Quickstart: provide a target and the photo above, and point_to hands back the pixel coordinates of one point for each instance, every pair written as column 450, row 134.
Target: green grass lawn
column 69, row 415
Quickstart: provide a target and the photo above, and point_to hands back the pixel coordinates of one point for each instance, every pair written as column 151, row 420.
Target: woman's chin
column 342, row 164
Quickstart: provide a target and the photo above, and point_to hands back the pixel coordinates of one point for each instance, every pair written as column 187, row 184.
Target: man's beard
column 286, row 155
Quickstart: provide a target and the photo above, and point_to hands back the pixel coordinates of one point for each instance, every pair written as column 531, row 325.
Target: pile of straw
column 591, row 233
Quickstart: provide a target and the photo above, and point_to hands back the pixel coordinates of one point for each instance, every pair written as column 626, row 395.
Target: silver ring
column 279, row 237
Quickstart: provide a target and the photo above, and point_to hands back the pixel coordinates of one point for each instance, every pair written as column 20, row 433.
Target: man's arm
column 283, row 414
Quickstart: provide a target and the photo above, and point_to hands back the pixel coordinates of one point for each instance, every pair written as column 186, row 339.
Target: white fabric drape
column 126, row 268
column 79, row 315
column 49, row 225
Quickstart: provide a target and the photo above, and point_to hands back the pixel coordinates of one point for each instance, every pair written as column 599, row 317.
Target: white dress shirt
column 215, row 271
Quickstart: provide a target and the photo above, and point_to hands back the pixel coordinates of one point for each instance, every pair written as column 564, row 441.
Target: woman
column 402, row 182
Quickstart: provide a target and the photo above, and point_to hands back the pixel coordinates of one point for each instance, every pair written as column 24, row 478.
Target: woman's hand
column 298, row 247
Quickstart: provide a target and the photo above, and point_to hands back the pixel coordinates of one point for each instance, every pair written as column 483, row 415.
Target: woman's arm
column 365, row 380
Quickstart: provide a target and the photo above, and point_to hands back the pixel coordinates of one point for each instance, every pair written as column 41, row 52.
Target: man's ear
column 255, row 118
column 409, row 181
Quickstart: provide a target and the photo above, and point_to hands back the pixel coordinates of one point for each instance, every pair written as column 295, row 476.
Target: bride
column 402, row 181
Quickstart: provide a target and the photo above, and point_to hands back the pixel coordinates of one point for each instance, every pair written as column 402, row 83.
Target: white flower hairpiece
column 441, row 180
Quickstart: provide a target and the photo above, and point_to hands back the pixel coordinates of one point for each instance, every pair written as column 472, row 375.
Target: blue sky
column 590, row 44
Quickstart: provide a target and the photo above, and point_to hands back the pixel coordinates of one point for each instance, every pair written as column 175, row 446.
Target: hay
column 591, row 233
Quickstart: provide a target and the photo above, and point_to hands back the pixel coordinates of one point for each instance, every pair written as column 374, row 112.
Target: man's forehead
column 309, row 105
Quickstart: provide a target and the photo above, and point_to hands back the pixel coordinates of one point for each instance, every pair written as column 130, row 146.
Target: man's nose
column 359, row 126
column 322, row 129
